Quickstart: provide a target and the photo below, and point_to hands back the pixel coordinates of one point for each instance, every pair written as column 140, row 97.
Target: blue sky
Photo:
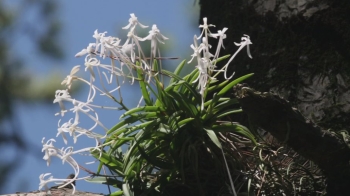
column 178, row 20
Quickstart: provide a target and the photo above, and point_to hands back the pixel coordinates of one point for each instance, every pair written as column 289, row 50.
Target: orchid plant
column 167, row 140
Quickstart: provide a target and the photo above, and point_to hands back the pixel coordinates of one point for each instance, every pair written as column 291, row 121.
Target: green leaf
column 156, row 69
column 105, row 180
column 143, row 109
column 228, row 112
column 219, row 86
column 235, row 127
column 178, row 70
column 233, row 83
column 229, row 86
column 129, row 120
column 117, row 193
column 185, row 121
column 185, row 104
column 213, row 137
column 118, row 143
column 191, row 76
column 189, row 87
column 143, row 86
column 154, row 160
column 148, row 115
column 226, row 103
column 128, row 130
column 221, row 58
column 108, row 161
column 217, row 112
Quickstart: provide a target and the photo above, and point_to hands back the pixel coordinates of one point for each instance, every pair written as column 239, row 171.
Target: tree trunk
column 324, row 147
column 301, row 49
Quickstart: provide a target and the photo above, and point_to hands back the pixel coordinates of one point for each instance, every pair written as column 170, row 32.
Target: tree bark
column 324, row 147
column 301, row 49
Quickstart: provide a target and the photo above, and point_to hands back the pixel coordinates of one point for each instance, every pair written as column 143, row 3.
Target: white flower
column 133, row 22
column 203, row 78
column 86, row 109
column 43, row 182
column 207, row 55
column 69, row 79
column 203, row 65
column 63, row 182
column 205, row 27
column 109, row 46
column 245, row 42
column 222, row 36
column 133, row 39
column 98, row 37
column 155, row 36
column 196, row 49
column 49, row 150
column 88, row 50
column 60, row 96
column 91, row 62
column 67, row 127
column 128, row 48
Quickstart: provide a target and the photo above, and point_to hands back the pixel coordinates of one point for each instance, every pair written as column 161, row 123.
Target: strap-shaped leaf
column 185, row 104
column 178, row 70
column 108, row 161
column 148, row 115
column 235, row 127
column 143, row 86
column 138, row 138
column 224, row 99
column 105, row 180
column 225, row 89
column 156, row 68
column 117, row 193
column 228, row 112
column 139, row 126
column 213, row 137
column 185, row 121
column 154, row 160
column 217, row 110
column 226, row 102
column 129, row 120
column 118, row 143
column 189, row 87
column 233, row 83
column 129, row 166
column 191, row 76
column 221, row 58
column 219, row 86
column 143, row 109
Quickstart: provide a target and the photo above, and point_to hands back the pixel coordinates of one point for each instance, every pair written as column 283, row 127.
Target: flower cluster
column 206, row 61
column 122, row 56
column 125, row 58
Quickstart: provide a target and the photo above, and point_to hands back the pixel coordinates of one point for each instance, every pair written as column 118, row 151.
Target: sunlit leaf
column 213, row 137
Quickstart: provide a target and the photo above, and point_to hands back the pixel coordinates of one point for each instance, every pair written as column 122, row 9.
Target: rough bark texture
column 301, row 51
column 324, row 147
